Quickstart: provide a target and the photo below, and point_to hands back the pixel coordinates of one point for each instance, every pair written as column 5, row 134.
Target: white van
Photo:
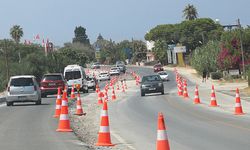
column 75, row 74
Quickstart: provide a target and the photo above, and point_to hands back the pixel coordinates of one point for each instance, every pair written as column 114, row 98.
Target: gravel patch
column 86, row 127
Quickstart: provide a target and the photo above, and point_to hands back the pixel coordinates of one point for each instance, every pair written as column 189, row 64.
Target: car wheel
column 44, row 95
column 39, row 102
column 142, row 94
column 162, row 92
column 9, row 103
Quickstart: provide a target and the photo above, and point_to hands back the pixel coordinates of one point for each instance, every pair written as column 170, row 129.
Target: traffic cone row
column 213, row 102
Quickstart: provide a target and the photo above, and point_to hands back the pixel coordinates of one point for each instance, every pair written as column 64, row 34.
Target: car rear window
column 22, row 82
column 151, row 78
column 52, row 77
column 158, row 66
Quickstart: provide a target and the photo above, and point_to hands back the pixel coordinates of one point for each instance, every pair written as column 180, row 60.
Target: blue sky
column 115, row 19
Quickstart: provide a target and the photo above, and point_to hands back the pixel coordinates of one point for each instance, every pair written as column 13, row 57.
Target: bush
column 216, row 75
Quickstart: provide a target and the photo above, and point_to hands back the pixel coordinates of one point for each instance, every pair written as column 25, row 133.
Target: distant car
column 23, row 89
column 103, row 76
column 96, row 65
column 151, row 84
column 50, row 83
column 163, row 75
column 158, row 67
column 91, row 82
column 122, row 68
column 114, row 71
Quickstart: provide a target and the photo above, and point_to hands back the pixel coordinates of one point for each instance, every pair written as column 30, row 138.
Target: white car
column 163, row 75
column 23, row 89
column 103, row 76
column 114, row 71
column 91, row 82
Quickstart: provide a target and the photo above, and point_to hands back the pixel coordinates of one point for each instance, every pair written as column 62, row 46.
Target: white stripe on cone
column 237, row 104
column 162, row 135
column 78, row 107
column 58, row 106
column 64, row 103
column 104, row 113
column 104, row 129
column 213, row 98
column 64, row 117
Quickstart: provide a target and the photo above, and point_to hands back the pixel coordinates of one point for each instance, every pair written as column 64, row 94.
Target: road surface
column 190, row 127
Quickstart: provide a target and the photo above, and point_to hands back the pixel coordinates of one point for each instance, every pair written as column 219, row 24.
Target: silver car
column 23, row 89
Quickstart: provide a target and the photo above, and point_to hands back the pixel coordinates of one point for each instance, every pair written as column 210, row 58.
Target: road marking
column 121, row 140
column 213, row 120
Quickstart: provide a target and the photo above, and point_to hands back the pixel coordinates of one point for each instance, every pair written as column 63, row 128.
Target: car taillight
column 35, row 88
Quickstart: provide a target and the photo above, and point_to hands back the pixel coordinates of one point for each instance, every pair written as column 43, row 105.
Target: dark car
column 50, row 83
column 158, row 67
column 151, row 84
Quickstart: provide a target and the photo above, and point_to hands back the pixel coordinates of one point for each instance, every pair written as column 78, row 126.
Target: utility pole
column 241, row 47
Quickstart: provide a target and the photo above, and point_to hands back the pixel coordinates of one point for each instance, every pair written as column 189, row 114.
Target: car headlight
column 159, row 84
column 143, row 86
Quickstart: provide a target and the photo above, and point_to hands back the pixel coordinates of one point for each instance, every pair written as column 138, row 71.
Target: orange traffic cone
column 213, row 102
column 117, row 86
column 185, row 92
column 106, row 98
column 162, row 137
column 72, row 94
column 58, row 103
column 196, row 96
column 238, row 107
column 64, row 124
column 113, row 94
column 79, row 110
column 179, row 88
column 100, row 95
column 104, row 138
column 97, row 89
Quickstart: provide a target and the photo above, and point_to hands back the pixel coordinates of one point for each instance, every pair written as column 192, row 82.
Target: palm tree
column 190, row 12
column 16, row 32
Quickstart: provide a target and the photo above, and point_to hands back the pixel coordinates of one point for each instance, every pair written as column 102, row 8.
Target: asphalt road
column 31, row 127
column 190, row 127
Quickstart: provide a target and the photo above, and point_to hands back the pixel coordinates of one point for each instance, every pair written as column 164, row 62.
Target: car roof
column 162, row 72
column 151, row 75
column 22, row 76
column 53, row 74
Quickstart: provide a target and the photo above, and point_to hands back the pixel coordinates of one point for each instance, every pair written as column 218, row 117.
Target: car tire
column 44, row 95
column 142, row 94
column 39, row 102
column 162, row 92
column 9, row 103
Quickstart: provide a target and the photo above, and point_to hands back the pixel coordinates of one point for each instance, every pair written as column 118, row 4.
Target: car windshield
column 22, row 82
column 52, row 77
column 114, row 69
column 89, row 78
column 163, row 73
column 151, row 78
column 72, row 75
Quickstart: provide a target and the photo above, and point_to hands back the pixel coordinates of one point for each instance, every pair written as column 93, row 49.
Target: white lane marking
column 121, row 140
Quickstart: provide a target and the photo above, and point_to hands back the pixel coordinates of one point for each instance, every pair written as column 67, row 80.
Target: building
column 150, row 54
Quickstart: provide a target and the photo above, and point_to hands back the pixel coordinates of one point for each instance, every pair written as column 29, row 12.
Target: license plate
column 151, row 89
column 52, row 84
column 21, row 97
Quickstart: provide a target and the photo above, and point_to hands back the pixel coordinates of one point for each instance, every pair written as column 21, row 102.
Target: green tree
column 205, row 57
column 16, row 32
column 190, row 12
column 160, row 51
column 81, row 36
